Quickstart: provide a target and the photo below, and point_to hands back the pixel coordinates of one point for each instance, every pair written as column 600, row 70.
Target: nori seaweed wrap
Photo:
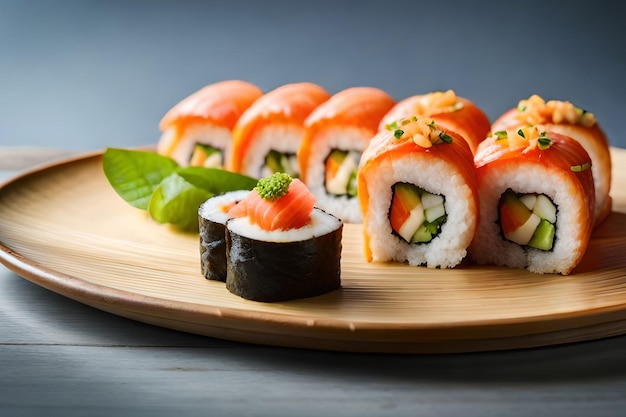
column 281, row 265
column 212, row 217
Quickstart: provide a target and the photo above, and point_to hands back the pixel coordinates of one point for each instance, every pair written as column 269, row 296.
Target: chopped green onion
column 544, row 143
column 392, row 126
column 521, row 133
column 501, row 134
column 398, row 133
column 445, row 137
column 580, row 168
column 580, row 110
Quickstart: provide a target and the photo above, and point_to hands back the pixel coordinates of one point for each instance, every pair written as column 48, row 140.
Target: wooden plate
column 64, row 228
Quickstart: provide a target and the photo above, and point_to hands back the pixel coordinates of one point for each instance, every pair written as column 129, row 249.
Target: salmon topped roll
column 536, row 201
column 565, row 118
column 448, row 110
column 279, row 245
column 268, row 135
column 337, row 132
column 419, row 195
column 198, row 130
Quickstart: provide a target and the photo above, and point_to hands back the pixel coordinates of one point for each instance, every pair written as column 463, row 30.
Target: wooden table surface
column 61, row 358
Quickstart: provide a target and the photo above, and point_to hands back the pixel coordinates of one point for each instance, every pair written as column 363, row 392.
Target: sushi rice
column 345, row 138
column 449, row 247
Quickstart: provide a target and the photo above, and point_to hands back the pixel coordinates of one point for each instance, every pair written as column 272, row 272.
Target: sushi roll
column 448, row 110
column 565, row 118
column 279, row 246
column 419, row 195
column 337, row 133
column 267, row 137
column 536, row 201
column 212, row 217
column 197, row 131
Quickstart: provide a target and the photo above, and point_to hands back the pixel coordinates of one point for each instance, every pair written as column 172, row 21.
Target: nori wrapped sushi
column 279, row 246
column 212, row 217
column 283, row 265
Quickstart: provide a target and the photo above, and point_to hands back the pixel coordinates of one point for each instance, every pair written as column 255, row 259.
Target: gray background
column 84, row 75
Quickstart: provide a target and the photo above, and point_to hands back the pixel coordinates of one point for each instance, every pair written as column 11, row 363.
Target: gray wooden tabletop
column 62, row 358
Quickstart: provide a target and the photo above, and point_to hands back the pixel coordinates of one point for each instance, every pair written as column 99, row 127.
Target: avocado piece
column 543, row 238
column 352, row 188
column 280, row 162
column 337, row 155
column 422, row 235
column 273, row 161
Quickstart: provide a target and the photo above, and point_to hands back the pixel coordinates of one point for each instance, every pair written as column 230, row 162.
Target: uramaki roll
column 198, row 130
column 536, row 201
column 212, row 218
column 267, row 137
column 337, row 132
column 449, row 111
column 418, row 195
column 565, row 118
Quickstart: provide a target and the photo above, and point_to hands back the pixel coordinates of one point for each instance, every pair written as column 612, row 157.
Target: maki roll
column 197, row 131
column 337, row 132
column 419, row 195
column 567, row 119
column 448, row 110
column 536, row 201
column 212, row 217
column 280, row 246
column 268, row 135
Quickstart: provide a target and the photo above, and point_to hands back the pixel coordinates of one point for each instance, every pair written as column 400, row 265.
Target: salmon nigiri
column 268, row 135
column 337, row 132
column 449, row 111
column 197, row 131
column 567, row 119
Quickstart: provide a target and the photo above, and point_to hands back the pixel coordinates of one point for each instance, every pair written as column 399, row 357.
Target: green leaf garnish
column 169, row 193
column 135, row 174
column 175, row 200
column 274, row 186
column 215, row 180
